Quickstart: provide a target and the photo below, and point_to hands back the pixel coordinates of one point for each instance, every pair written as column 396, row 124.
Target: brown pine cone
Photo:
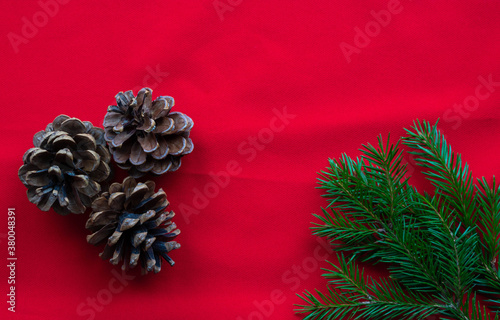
column 65, row 168
column 132, row 220
column 144, row 136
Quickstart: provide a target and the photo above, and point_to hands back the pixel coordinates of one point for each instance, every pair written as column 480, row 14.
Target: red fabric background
column 231, row 65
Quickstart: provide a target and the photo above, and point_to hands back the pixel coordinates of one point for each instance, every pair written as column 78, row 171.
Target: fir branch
column 454, row 181
column 409, row 249
column 441, row 249
column 446, row 171
column 386, row 169
column 346, row 186
column 360, row 300
column 489, row 284
column 350, row 191
column 469, row 309
column 382, row 170
column 489, row 212
column 455, row 251
column 350, row 234
column 330, row 306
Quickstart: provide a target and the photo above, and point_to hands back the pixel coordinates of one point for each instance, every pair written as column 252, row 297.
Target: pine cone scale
column 162, row 151
column 127, row 223
column 24, row 170
column 100, row 235
column 100, row 204
column 189, row 146
column 62, row 141
column 146, row 216
column 148, row 142
column 137, row 194
column 75, row 204
column 116, row 201
column 147, row 125
column 27, row 155
column 164, row 165
column 64, row 157
column 80, row 181
column 56, row 124
column 122, row 137
column 121, row 155
column 138, row 237
column 137, row 154
column 159, row 105
column 62, row 198
column 113, row 117
column 86, row 141
column 177, row 144
column 38, row 178
column 114, row 187
column 103, row 153
column 102, row 218
column 144, row 97
column 87, row 160
column 33, row 195
column 101, row 173
column 47, row 201
column 146, row 166
column 40, row 158
column 164, row 126
column 158, row 200
column 180, row 121
column 73, row 126
column 91, row 189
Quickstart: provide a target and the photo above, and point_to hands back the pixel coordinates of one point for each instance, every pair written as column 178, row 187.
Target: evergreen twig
column 441, row 249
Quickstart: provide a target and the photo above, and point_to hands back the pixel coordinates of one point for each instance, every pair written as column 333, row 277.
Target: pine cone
column 144, row 136
column 131, row 218
column 65, row 168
